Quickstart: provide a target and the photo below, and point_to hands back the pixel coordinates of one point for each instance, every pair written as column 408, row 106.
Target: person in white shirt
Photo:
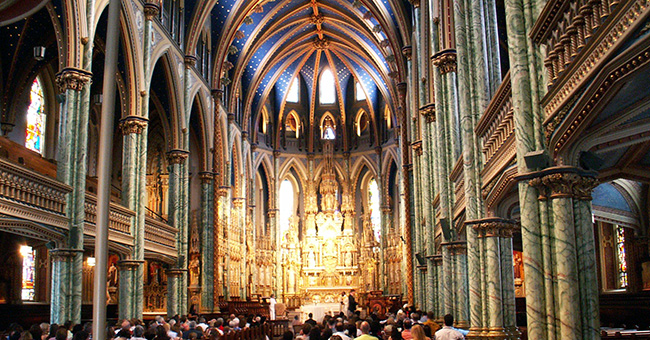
column 272, row 304
column 447, row 332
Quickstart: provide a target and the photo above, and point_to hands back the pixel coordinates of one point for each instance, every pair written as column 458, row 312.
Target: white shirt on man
column 448, row 333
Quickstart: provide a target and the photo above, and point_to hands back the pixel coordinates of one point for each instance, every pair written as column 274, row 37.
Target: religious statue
column 195, row 270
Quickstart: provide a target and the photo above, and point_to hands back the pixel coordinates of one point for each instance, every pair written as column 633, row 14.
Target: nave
column 487, row 159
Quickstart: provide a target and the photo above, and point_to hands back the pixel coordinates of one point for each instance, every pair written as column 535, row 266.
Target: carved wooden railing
column 119, row 217
column 496, row 132
column 160, row 236
column 565, row 27
column 27, row 194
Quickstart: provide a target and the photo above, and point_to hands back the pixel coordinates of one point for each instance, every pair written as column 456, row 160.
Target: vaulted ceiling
column 259, row 45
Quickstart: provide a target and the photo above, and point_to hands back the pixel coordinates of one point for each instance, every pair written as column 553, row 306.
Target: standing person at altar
column 272, row 304
column 344, row 303
column 352, row 303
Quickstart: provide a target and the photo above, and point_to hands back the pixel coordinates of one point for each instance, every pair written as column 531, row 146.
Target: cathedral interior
column 484, row 158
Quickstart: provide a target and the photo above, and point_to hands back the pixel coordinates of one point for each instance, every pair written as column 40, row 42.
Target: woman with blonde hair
column 418, row 333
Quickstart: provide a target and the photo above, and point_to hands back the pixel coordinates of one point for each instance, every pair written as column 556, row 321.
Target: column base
column 496, row 333
column 475, row 333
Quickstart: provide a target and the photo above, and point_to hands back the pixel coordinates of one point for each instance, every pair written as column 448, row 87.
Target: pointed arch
column 361, row 122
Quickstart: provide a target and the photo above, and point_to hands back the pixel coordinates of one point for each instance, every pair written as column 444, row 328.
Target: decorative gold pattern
column 71, row 78
column 133, row 124
column 321, row 43
column 177, row 156
column 445, row 61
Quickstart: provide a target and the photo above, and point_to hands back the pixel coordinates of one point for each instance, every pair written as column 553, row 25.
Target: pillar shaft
column 207, row 242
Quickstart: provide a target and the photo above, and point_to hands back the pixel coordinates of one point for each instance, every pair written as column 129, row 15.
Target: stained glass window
column 35, row 131
column 360, row 95
column 294, row 91
column 620, row 251
column 327, row 88
column 375, row 214
column 285, row 197
column 28, row 255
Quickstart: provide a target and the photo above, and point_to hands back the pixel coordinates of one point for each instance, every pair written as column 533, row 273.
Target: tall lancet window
column 293, row 96
column 373, row 204
column 28, row 255
column 327, row 92
column 358, row 91
column 286, row 205
column 620, row 252
column 35, row 132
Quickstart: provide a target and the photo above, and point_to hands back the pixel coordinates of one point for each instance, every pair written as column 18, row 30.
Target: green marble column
column 174, row 285
column 134, row 174
column 178, row 219
column 207, row 241
column 71, row 170
column 573, row 287
column 62, row 293
column 128, row 271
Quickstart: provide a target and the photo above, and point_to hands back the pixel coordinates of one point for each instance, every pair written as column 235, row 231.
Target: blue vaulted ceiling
column 261, row 45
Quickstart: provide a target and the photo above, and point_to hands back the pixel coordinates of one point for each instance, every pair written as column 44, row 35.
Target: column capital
column 494, row 227
column 417, row 147
column 407, row 51
column 272, row 212
column 151, row 9
column 429, row 112
column 217, row 95
column 177, row 156
column 415, row 3
column 133, row 124
column 72, row 78
column 456, row 247
column 223, row 190
column 436, row 259
column 206, row 176
column 562, row 182
column 62, row 254
column 378, row 150
column 445, row 60
column 276, row 153
column 129, row 264
column 190, row 60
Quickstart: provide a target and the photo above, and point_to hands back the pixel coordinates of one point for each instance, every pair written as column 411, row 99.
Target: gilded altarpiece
column 334, row 253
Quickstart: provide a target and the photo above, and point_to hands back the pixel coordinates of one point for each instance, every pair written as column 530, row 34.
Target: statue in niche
column 292, row 280
column 311, row 259
column 348, row 259
column 154, row 273
column 195, row 270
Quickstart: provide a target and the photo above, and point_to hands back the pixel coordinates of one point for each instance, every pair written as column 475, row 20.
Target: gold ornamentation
column 429, row 112
column 445, row 60
column 317, row 19
column 407, row 51
column 151, row 9
column 190, row 61
column 71, row 78
column 177, row 156
column 494, row 227
column 321, row 43
column 133, row 124
column 564, row 183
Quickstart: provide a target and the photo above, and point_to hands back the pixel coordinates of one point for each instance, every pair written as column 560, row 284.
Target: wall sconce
column 39, row 53
column 90, row 261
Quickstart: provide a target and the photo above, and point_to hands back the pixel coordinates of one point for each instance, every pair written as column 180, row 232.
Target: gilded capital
column 61, row 254
column 407, row 51
column 445, row 61
column 71, row 78
column 206, row 176
column 429, row 112
column 177, row 156
column 494, row 227
column 564, row 182
column 133, row 124
column 151, row 9
column 190, row 61
column 129, row 264
column 223, row 191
